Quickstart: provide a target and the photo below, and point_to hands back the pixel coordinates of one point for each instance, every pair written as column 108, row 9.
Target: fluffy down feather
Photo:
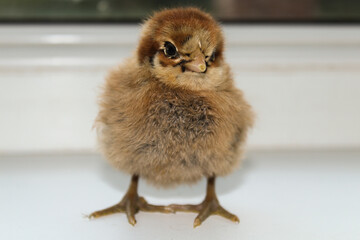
column 167, row 125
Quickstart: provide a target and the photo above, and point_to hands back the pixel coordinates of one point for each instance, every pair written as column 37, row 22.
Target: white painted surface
column 277, row 195
column 303, row 81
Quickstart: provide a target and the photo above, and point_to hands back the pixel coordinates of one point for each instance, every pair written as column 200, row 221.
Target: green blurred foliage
column 335, row 9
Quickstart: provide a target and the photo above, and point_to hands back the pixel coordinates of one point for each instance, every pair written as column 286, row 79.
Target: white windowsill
column 276, row 195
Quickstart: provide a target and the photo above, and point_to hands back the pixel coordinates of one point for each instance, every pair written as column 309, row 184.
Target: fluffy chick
column 171, row 114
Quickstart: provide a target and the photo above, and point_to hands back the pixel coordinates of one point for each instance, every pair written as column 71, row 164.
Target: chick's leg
column 131, row 204
column 209, row 206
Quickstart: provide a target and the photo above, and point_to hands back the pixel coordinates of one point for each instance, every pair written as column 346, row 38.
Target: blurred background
column 298, row 63
column 136, row 10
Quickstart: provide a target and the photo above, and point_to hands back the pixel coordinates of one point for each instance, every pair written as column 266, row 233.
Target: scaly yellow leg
column 210, row 206
column 131, row 204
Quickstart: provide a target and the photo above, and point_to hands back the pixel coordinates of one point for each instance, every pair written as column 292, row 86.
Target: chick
column 171, row 114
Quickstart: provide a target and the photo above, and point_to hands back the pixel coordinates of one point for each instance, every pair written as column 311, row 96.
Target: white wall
column 303, row 81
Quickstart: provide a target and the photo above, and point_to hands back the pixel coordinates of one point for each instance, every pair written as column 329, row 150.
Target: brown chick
column 171, row 114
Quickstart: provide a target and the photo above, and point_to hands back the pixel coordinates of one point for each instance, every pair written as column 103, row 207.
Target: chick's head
column 183, row 47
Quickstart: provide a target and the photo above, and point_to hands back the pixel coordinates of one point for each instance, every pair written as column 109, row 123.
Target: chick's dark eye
column 170, row 49
column 212, row 57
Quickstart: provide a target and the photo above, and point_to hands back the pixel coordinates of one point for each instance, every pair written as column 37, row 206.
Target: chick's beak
column 197, row 64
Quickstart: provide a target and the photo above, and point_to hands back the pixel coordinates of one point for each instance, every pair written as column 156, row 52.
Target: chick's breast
column 170, row 135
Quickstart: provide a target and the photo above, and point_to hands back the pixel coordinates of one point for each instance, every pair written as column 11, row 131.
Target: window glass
column 135, row 10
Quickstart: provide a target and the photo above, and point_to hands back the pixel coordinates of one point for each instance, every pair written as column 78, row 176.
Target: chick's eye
column 170, row 49
column 212, row 57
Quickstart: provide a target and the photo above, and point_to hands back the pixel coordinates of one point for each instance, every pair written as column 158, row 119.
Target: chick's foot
column 131, row 204
column 210, row 206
